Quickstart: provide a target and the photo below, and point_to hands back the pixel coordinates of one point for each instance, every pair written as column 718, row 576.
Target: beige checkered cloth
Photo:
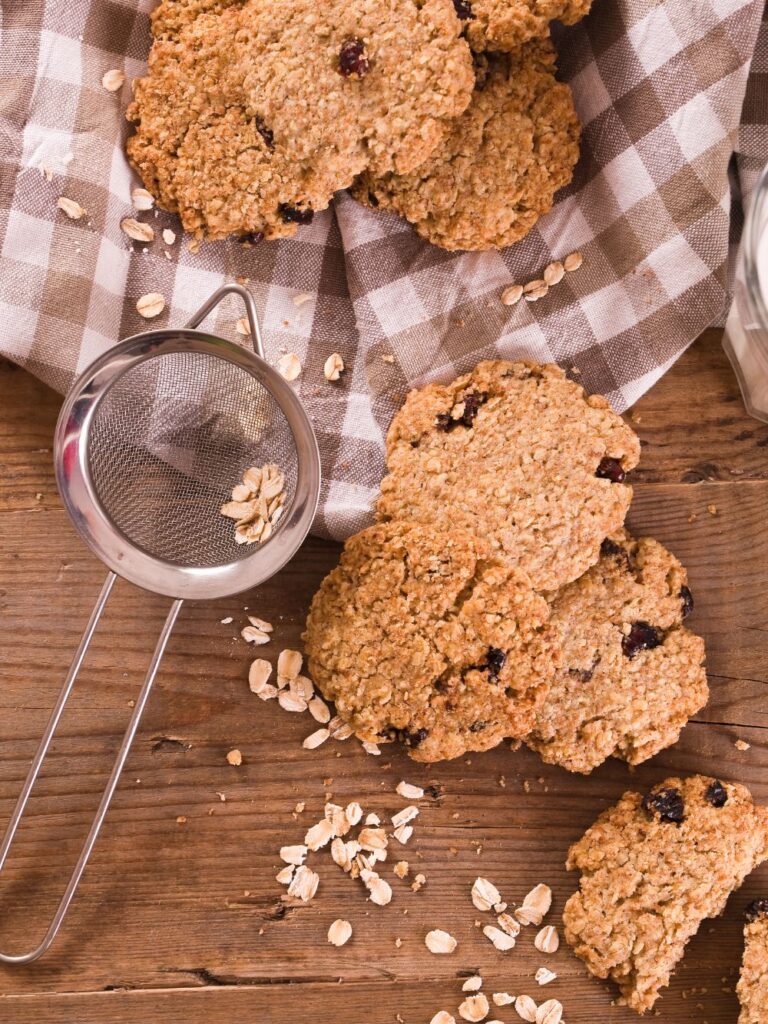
column 660, row 86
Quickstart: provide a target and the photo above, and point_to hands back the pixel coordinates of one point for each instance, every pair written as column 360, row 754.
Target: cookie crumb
column 742, row 745
column 235, row 758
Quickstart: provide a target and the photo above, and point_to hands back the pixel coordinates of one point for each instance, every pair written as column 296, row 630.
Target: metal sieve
column 148, row 445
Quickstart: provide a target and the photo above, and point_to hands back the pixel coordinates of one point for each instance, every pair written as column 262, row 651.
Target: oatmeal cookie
column 752, row 988
column 497, row 170
column 251, row 117
column 652, row 869
column 422, row 636
column 505, row 24
column 632, row 674
column 171, row 16
column 518, row 454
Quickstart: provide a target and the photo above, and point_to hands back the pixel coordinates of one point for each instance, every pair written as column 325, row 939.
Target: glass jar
column 746, row 329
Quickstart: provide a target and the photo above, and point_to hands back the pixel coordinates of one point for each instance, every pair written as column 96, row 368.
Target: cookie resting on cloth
column 632, row 674
column 652, row 869
column 505, row 24
column 421, row 635
column 518, row 454
column 253, row 116
column 752, row 987
column 498, row 169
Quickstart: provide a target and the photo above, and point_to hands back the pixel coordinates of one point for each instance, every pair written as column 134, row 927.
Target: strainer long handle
column 42, row 750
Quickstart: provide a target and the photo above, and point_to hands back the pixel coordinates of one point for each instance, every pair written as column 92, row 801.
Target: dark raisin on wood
column 716, row 794
column 265, row 133
column 756, row 909
column 668, row 804
column 611, row 469
column 641, row 637
column 463, row 9
column 353, row 60
column 687, row 598
column 293, row 215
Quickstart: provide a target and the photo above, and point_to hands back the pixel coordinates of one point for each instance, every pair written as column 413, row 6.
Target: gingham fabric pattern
column 660, row 87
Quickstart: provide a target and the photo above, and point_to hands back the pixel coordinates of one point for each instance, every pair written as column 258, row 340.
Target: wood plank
column 170, row 913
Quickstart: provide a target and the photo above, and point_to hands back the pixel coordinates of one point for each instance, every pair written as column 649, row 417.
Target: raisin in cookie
column 498, row 169
column 421, row 635
column 652, row 869
column 505, row 24
column 518, row 454
column 632, row 674
column 251, row 117
column 752, row 988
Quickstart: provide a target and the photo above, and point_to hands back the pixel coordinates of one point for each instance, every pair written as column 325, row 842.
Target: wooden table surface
column 183, row 921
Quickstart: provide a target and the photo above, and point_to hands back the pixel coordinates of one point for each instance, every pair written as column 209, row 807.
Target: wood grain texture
column 184, row 921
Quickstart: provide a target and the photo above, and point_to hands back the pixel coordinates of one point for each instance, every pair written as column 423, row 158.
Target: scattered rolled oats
column 533, row 286
column 243, row 327
column 267, row 692
column 573, row 261
column 294, row 854
column 235, row 758
column 403, row 833
column 150, row 305
column 512, row 294
column 443, row 1017
column 338, row 819
column 353, row 812
column 372, row 819
column 547, row 940
column 526, row 1008
column 371, row 748
column 544, row 976
column 304, row 884
column 438, row 941
column 508, row 924
column 502, row 998
column 340, row 855
column 169, row 237
column 289, row 366
column 339, row 933
column 290, row 702
column 500, row 939
column 320, row 834
column 319, row 710
column 252, row 635
column 258, row 675
column 409, row 792
column 262, row 624
column 372, row 838
column 289, row 663
column 113, row 80
column 474, row 1008
column 403, row 817
column 550, row 1012
column 419, row 882
column 333, row 367
column 473, row 984
column 484, row 894
column 315, row 739
column 285, row 875
column 534, row 294
column 535, row 905
column 72, row 209
column 379, row 890
column 339, row 729
column 141, row 199
column 136, row 230
column 554, row 273
column 401, row 869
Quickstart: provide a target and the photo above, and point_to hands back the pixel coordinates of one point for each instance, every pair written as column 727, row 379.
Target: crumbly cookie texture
column 752, row 987
column 518, row 454
column 251, row 117
column 632, row 674
column 505, row 24
column 498, row 169
column 171, row 16
column 421, row 635
column 652, row 869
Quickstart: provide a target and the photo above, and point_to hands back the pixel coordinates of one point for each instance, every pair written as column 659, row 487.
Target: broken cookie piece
column 752, row 988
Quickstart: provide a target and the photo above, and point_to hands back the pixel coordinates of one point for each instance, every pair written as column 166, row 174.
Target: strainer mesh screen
column 169, row 441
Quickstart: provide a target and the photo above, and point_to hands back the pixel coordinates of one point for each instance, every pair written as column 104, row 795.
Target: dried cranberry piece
column 463, row 9
column 641, row 637
column 611, row 469
column 716, row 794
column 293, row 215
column 265, row 133
column 353, row 60
column 687, row 598
column 667, row 803
column 756, row 909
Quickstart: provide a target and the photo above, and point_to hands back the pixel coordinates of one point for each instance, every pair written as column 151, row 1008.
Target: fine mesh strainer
column 148, row 445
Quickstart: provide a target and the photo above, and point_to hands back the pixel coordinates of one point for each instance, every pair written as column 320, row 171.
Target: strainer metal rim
column 95, row 526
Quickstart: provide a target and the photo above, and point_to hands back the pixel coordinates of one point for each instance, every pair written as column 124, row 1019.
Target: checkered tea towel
column 660, row 88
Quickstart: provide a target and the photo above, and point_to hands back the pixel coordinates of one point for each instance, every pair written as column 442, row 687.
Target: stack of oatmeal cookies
column 500, row 595
column 252, row 115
